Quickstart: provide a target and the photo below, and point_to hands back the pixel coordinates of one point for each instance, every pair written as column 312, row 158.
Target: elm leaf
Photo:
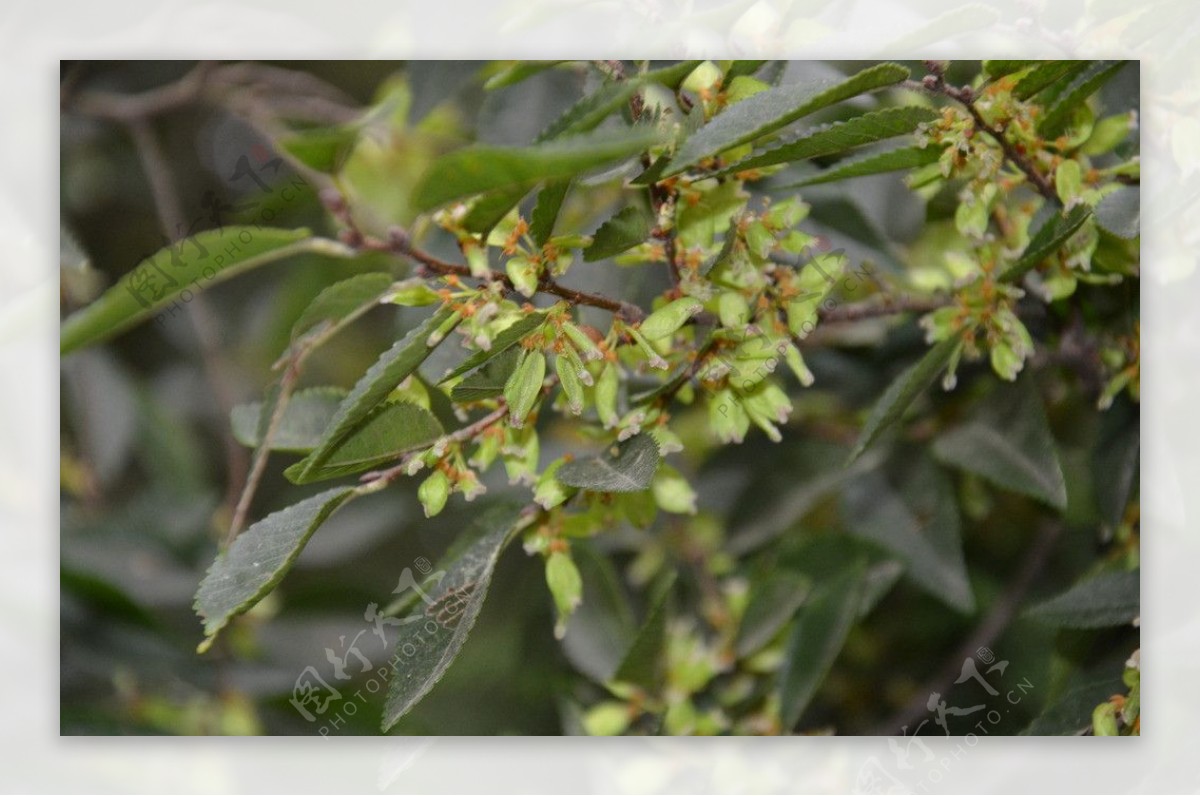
column 259, row 558
column 626, row 467
column 643, row 664
column 819, row 635
column 833, row 139
column 628, row 228
column 1106, row 600
column 387, row 432
column 768, row 111
column 875, row 163
column 508, row 338
column 438, row 626
column 305, row 419
column 190, row 265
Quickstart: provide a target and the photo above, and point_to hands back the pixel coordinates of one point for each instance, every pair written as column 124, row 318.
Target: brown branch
column 889, row 305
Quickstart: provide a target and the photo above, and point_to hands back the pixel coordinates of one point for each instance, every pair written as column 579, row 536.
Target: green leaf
column 508, row 338
column 820, row 633
column 490, row 209
column 766, row 112
column 922, row 530
column 387, row 432
column 875, row 163
column 322, row 149
column 620, row 233
column 644, row 664
column 1071, row 712
column 428, row 644
column 1008, row 442
column 393, row 366
column 740, row 68
column 868, row 128
column 1045, row 74
column 1120, row 212
column 305, row 419
column 259, row 558
column 1002, row 68
column 586, row 114
column 627, row 467
column 488, row 381
column 342, row 301
column 1052, row 234
column 1107, row 600
column 182, row 270
column 1058, row 115
column 479, row 169
column 517, row 72
column 773, row 601
column 902, row 392
column 545, row 212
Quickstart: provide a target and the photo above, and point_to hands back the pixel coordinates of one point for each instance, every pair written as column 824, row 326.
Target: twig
column 380, row 478
column 889, row 305
column 935, row 82
column 997, row 620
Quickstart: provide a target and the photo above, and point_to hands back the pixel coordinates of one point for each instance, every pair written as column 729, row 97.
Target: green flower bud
column 1104, row 720
column 796, row 362
column 581, row 341
column 524, row 386
column 786, row 214
column 549, row 492
column 670, row 318
column 733, row 310
column 566, row 587
column 413, row 293
column 433, row 493
column 759, row 240
column 727, row 417
column 1068, row 182
column 524, row 274
column 521, row 453
column 607, row 385
column 477, row 260
column 607, row 718
column 654, row 358
column 672, row 492
column 568, row 378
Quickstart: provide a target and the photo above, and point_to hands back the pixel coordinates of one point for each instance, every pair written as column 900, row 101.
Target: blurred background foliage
column 148, row 472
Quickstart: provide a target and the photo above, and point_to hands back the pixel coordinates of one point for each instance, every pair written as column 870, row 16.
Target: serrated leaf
column 626, row 467
column 1045, row 74
column 305, row 419
column 643, row 664
column 1107, row 600
column 590, row 111
column 820, row 633
column 868, row 128
column 1008, row 442
column 773, row 601
column 259, row 558
column 768, row 111
column 921, row 530
column 628, row 228
column 386, row 433
column 428, row 643
column 393, row 366
column 508, row 338
column 191, row 265
column 1056, row 230
column 341, row 301
column 1058, row 115
column 480, row 169
column 488, row 381
column 902, row 392
column 740, row 68
column 545, row 212
column 1121, row 212
column 908, row 157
